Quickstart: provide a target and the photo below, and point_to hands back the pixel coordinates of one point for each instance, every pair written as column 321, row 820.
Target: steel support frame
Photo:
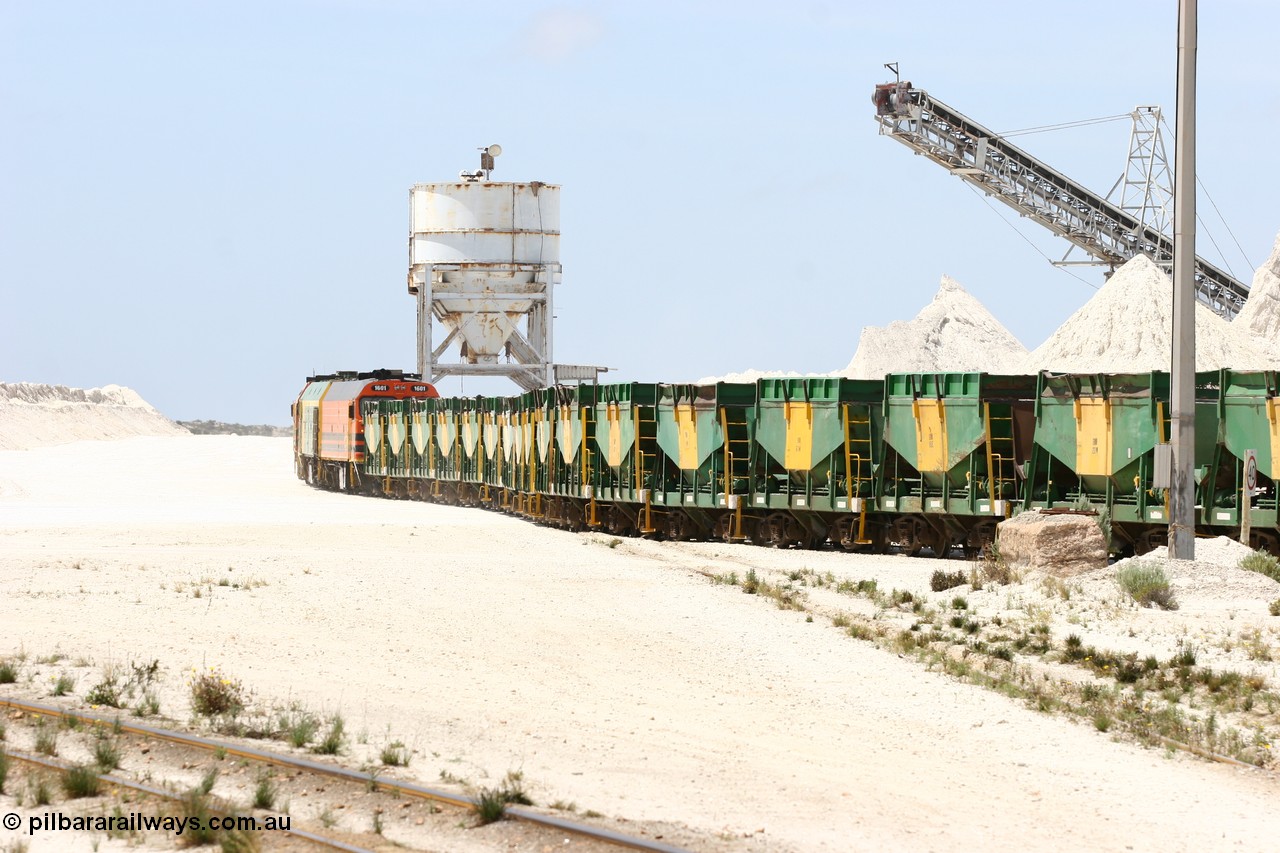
column 533, row 365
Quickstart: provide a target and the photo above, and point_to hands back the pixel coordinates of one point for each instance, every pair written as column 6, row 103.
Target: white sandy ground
column 618, row 678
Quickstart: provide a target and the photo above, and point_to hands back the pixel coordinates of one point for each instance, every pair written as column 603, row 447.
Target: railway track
column 298, row 765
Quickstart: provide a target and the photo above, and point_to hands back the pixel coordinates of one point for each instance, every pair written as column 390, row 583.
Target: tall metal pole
column 1182, row 499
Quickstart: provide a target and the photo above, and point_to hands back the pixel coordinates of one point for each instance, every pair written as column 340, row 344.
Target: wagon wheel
column 814, row 541
column 913, row 533
column 842, row 533
column 724, row 527
column 678, row 527
column 573, row 516
column 782, row 530
column 940, row 542
column 618, row 523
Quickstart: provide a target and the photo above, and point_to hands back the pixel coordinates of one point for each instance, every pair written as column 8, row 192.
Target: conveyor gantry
column 990, row 163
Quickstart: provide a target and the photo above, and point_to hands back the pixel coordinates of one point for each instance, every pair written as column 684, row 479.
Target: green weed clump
column 395, row 754
column 81, row 781
column 946, row 580
column 264, row 794
column 1275, row 607
column 8, row 672
column 334, row 738
column 106, row 754
column 491, row 803
column 1262, row 563
column 1147, row 584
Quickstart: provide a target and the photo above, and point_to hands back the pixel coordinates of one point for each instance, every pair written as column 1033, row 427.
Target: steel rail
column 151, row 790
column 607, row 836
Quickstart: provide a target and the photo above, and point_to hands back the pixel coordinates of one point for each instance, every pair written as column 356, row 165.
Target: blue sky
column 206, row 201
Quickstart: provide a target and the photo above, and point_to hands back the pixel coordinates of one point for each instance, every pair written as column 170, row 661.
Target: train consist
column 920, row 462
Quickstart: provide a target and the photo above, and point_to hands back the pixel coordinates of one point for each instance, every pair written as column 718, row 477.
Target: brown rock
column 1060, row 545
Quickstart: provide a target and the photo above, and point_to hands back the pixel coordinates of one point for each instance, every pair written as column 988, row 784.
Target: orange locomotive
column 328, row 429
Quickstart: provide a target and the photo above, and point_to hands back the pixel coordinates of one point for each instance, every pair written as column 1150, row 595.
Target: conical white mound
column 1127, row 327
column 1261, row 313
column 953, row 333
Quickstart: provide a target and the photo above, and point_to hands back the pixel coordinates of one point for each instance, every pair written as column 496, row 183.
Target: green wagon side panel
column 690, row 439
column 936, row 421
column 615, row 420
column 804, row 442
column 1251, row 417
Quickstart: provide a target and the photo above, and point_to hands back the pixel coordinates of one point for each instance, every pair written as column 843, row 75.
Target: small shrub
column 751, row 585
column 941, row 580
column 46, row 740
column 959, row 603
column 264, row 795
column 1262, row 563
column 81, row 781
column 195, row 807
column 994, row 568
column 106, row 692
column 8, row 672
column 334, row 738
column 1101, row 721
column 491, row 803
column 513, row 789
column 300, row 726
column 207, row 781
column 148, row 705
column 1275, row 607
column 213, row 694
column 1185, row 657
column 490, row 807
column 63, row 685
column 1104, row 524
column 38, row 790
column 395, row 754
column 4, row 769
column 106, row 754
column 1147, row 584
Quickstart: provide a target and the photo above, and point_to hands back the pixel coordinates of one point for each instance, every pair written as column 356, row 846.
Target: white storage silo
column 484, row 259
